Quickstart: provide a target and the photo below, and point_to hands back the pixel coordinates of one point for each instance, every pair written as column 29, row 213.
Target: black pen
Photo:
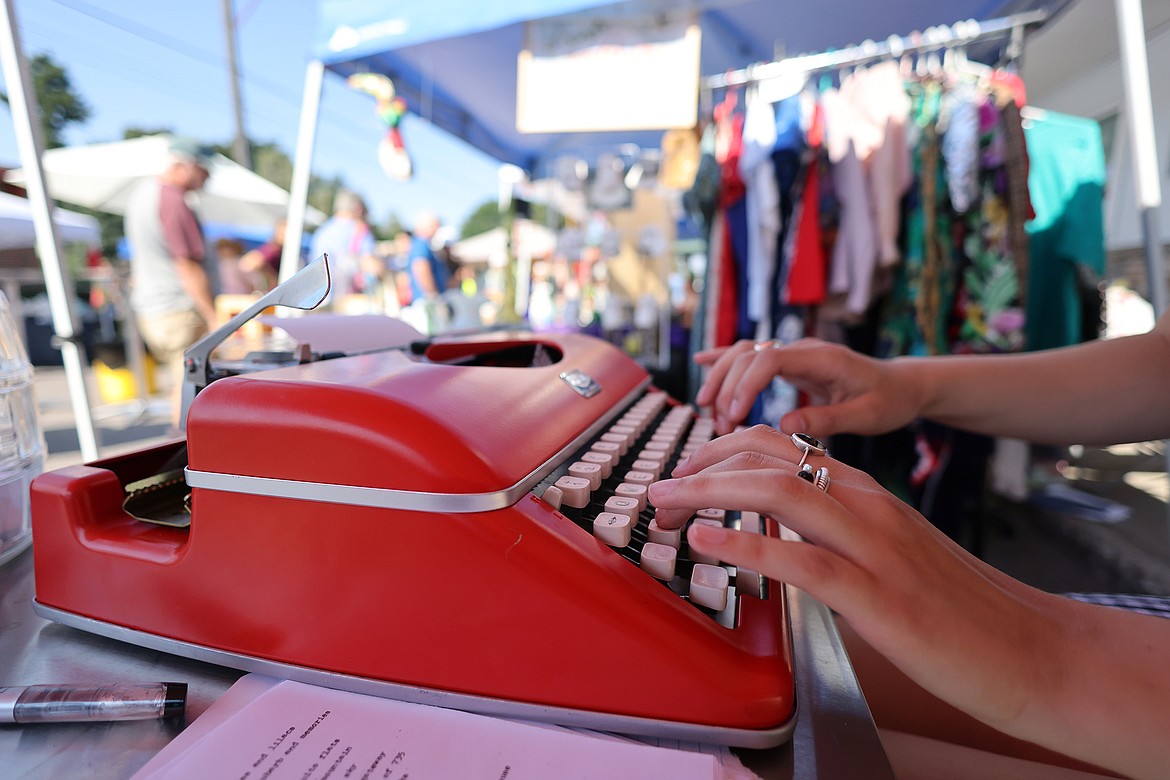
column 69, row 703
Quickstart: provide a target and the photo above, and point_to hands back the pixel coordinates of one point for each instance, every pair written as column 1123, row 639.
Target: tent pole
column 1135, row 72
column 298, row 197
column 57, row 283
column 1140, row 120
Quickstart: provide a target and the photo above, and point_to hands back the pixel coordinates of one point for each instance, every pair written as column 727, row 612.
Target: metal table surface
column 834, row 735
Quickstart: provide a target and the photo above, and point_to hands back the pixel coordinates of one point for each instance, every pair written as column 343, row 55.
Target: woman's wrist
column 914, row 384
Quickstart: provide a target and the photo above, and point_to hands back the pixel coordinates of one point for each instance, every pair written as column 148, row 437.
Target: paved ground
column 1052, row 550
column 120, row 427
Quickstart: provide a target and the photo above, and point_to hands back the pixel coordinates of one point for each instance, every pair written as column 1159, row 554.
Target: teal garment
column 1066, row 183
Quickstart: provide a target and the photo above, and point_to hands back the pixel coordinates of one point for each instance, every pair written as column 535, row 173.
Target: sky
column 163, row 64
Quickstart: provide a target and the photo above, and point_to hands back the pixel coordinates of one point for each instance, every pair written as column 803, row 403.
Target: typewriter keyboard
column 603, row 488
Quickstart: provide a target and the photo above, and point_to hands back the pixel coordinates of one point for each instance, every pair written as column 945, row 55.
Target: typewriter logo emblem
column 585, row 385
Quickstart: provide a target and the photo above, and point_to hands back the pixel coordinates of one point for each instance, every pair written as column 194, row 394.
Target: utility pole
column 240, row 148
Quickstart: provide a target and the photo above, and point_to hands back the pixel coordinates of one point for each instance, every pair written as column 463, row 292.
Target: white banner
column 594, row 74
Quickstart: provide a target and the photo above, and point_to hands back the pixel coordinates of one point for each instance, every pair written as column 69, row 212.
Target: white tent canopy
column 102, row 176
column 17, row 231
column 491, row 247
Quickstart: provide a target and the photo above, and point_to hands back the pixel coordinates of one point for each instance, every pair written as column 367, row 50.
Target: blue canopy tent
column 458, row 69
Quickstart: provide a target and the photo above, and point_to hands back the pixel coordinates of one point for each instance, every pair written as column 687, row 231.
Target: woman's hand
column 978, row 642
column 848, row 392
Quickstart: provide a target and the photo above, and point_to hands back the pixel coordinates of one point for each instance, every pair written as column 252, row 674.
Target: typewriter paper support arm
column 305, row 290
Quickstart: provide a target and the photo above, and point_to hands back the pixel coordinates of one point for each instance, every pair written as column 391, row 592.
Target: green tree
column 391, row 227
column 60, row 106
column 485, row 217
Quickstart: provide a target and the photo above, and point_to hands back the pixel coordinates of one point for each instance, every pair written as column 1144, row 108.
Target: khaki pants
column 167, row 335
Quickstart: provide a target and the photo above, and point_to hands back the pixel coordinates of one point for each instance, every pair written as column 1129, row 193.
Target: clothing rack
column 933, row 39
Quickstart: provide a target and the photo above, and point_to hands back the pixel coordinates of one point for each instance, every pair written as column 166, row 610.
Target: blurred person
column 428, row 278
column 399, row 264
column 262, row 264
column 348, row 240
column 170, row 290
column 428, row 274
column 232, row 279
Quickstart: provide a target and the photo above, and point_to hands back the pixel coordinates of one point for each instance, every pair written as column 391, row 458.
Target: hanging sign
column 597, row 73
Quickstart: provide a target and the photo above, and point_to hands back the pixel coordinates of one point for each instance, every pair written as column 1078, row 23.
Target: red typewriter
column 458, row 522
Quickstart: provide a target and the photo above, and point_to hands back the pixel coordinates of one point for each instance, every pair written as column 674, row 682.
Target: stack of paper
column 266, row 729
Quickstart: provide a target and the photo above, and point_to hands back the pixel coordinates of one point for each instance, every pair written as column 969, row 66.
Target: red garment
column 731, row 186
column 731, row 190
column 727, row 307
column 808, row 271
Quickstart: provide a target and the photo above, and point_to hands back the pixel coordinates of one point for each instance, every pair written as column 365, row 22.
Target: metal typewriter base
column 598, row 721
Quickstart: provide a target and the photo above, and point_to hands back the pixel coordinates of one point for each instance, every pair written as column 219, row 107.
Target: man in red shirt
column 170, row 291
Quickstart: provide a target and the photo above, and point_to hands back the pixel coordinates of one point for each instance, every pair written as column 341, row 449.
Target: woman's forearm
column 1101, row 392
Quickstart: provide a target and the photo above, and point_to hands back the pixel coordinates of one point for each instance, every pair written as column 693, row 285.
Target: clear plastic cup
column 22, row 441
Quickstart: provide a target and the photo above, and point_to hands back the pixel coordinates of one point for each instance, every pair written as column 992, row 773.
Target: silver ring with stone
column 808, row 445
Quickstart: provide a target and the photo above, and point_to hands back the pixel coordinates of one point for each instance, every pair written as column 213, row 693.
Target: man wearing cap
column 170, row 291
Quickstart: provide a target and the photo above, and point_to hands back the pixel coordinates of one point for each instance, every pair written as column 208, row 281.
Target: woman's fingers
column 750, row 481
column 759, row 438
column 719, row 361
column 826, row 575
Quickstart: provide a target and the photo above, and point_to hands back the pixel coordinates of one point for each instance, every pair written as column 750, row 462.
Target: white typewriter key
column 656, row 446
column 602, row 459
column 697, row 556
column 652, row 466
column 636, row 420
column 711, row 514
column 553, row 496
column 709, row 586
column 636, row 492
column 617, row 439
column 629, row 431
column 658, row 560
column 657, row 456
column 623, row 505
column 640, row 477
column 667, row 536
column 608, row 448
column 575, row 490
column 750, row 522
column 665, row 441
column 613, row 529
column 589, row 471
column 655, row 399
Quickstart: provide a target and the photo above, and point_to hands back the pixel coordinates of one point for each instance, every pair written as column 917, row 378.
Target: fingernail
column 680, row 466
column 733, row 410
